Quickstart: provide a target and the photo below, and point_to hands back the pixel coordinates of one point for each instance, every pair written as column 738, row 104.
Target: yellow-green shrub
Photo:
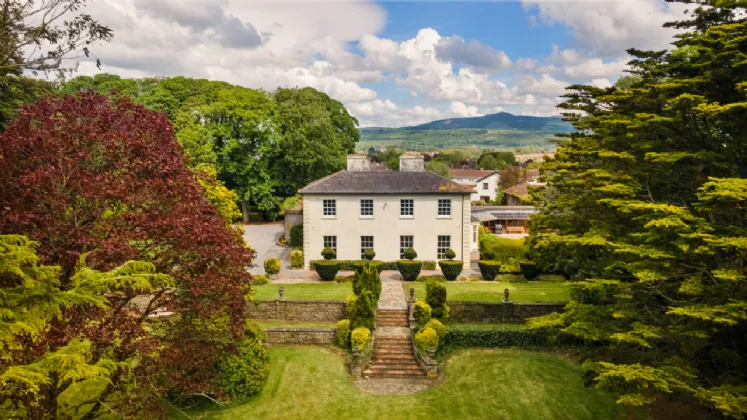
column 425, row 339
column 350, row 306
column 259, row 279
column 437, row 326
column 422, row 313
column 343, row 333
column 297, row 259
column 272, row 265
column 360, row 338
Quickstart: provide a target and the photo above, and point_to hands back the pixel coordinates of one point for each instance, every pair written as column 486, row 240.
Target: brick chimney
column 411, row 163
column 358, row 163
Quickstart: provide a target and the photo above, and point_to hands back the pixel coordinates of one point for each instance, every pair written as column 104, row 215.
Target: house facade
column 387, row 211
column 485, row 183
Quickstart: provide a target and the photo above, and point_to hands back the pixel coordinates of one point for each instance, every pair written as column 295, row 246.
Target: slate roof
column 381, row 182
column 518, row 190
column 470, row 173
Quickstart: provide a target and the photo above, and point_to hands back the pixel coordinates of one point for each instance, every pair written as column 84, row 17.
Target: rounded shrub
column 422, row 313
column 327, row 269
column 528, row 269
column 360, row 338
column 297, row 259
column 244, row 374
column 489, row 269
column 451, row 269
column 272, row 265
column 438, row 327
column 370, row 254
column 259, row 279
column 409, row 269
column 410, row 254
column 296, row 236
column 350, row 301
column 329, row 253
column 343, row 333
column 426, row 339
column 449, row 254
column 435, row 293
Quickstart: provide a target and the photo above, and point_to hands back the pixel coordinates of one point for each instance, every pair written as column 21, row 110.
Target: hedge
column 498, row 337
column 451, row 268
column 349, row 265
column 429, row 265
column 503, row 249
column 489, row 269
column 529, row 269
column 410, row 270
column 297, row 259
column 327, row 269
column 296, row 235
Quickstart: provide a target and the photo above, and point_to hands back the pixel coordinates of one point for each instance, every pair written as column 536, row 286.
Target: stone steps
column 392, row 318
column 393, row 357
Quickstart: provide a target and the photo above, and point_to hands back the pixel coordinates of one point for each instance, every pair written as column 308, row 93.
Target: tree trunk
column 245, row 212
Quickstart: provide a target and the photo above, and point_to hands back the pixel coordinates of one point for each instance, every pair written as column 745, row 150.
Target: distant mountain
column 499, row 121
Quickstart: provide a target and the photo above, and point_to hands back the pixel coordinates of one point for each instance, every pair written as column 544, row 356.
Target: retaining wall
column 297, row 310
column 487, row 312
column 300, row 335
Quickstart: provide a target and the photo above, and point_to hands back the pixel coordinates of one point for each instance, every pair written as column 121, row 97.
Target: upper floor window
column 329, row 207
column 444, row 243
column 444, row 207
column 366, row 207
column 406, row 208
column 330, row 242
column 484, row 185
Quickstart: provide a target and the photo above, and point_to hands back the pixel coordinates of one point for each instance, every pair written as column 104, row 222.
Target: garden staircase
column 393, row 354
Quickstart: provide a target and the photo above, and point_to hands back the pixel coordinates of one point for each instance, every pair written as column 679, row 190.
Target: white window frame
column 404, row 209
column 444, row 208
column 330, row 241
column 329, row 208
column 405, row 241
column 485, row 186
column 367, row 208
column 443, row 242
column 365, row 245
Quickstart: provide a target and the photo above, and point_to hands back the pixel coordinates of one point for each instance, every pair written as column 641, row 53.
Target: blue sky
column 391, row 63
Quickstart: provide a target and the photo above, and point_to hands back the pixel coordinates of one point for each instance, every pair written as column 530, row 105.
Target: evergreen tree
column 647, row 213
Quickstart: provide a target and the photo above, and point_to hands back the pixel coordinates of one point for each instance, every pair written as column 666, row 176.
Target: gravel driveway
column 263, row 238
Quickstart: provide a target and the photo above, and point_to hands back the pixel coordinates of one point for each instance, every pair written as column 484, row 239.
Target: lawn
column 312, row 383
column 326, row 291
column 493, row 291
column 295, row 324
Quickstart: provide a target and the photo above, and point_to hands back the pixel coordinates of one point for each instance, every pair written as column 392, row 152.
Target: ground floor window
column 330, row 242
column 367, row 242
column 444, row 243
column 474, row 234
column 404, row 243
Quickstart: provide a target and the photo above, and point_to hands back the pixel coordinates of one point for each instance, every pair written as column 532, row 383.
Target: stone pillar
column 411, row 308
column 355, row 364
column 430, row 363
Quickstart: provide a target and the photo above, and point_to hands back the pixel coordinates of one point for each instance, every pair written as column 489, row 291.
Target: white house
column 389, row 211
column 485, row 183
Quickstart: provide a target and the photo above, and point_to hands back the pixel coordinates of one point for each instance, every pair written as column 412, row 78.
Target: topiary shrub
column 435, row 293
column 259, row 280
column 429, row 265
column 327, row 269
column 451, row 269
column 343, row 333
column 410, row 270
column 426, row 339
column 529, row 269
column 438, row 327
column 410, row 254
column 244, row 374
column 488, row 255
column 370, row 254
column 449, row 254
column 360, row 338
column 359, row 265
column 297, row 259
column 296, row 236
column 422, row 313
column 272, row 265
column 364, row 315
column 329, row 253
column 372, row 281
column 489, row 269
column 350, row 306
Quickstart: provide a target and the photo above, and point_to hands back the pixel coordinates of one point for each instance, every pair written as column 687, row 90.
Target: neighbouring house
column 511, row 219
column 485, row 183
column 517, row 195
column 387, row 211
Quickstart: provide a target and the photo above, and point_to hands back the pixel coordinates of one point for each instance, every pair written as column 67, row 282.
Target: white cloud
column 474, row 54
column 602, row 83
column 462, row 110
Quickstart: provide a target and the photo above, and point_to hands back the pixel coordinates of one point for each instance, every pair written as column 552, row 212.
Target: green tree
column 487, row 162
column 647, row 213
column 438, row 167
column 16, row 91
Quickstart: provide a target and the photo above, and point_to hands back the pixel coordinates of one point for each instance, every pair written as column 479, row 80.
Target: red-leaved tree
column 105, row 180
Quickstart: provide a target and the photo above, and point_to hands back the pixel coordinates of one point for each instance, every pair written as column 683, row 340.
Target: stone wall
column 297, row 310
column 292, row 218
column 487, row 312
column 300, row 335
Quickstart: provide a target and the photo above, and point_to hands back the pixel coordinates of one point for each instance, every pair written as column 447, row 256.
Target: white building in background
column 485, row 183
column 388, row 211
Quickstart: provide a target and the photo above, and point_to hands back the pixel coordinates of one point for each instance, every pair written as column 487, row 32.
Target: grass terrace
column 312, row 383
column 302, row 291
column 493, row 291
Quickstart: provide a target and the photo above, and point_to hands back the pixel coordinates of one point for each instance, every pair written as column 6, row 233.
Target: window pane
column 444, row 243
column 484, row 185
column 406, row 208
column 404, row 243
column 444, row 207
column 366, row 207
column 330, row 242
column 329, row 207
column 367, row 242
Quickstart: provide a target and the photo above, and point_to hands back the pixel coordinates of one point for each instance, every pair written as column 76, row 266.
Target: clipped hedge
column 410, row 254
column 360, row 339
column 343, row 333
column 296, row 235
column 498, row 337
column 297, row 259
column 451, row 268
column 422, row 313
column 329, row 253
column 489, row 269
column 529, row 269
column 327, row 269
column 357, row 265
column 429, row 265
column 501, row 249
column 410, row 270
column 426, row 339
column 272, row 265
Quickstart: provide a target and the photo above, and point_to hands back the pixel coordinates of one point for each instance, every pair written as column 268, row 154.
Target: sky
column 392, row 64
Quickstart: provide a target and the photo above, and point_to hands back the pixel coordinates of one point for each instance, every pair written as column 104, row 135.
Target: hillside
column 496, row 131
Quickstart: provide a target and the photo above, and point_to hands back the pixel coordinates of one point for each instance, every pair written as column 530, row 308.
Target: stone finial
column 412, row 293
column 281, row 293
column 505, row 294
